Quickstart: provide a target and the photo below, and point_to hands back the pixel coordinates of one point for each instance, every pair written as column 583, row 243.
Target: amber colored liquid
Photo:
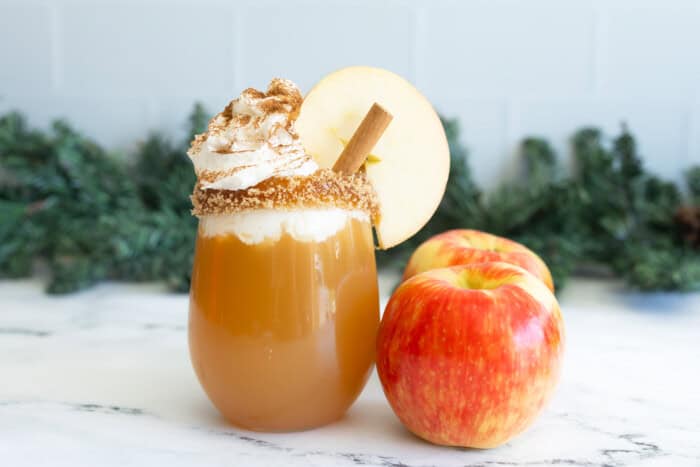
column 282, row 333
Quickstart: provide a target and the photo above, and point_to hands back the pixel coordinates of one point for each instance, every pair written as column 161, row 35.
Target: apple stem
column 363, row 140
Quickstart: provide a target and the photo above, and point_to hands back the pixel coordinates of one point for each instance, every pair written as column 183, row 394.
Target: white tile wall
column 117, row 122
column 147, row 49
column 504, row 48
column 693, row 153
column 483, row 127
column 327, row 36
column 653, row 53
column 505, row 68
column 660, row 127
column 25, row 49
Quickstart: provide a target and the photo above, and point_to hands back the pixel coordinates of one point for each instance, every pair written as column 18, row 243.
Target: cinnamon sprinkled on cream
column 252, row 139
column 250, row 158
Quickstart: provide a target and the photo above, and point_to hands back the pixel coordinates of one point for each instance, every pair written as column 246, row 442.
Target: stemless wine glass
column 282, row 331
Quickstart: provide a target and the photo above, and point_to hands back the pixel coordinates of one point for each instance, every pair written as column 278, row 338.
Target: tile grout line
column 512, row 133
column 56, row 47
column 237, row 59
column 599, row 50
column 151, row 106
column 419, row 42
column 691, row 124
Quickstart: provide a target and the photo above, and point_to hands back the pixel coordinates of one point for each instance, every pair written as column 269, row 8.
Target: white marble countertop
column 103, row 378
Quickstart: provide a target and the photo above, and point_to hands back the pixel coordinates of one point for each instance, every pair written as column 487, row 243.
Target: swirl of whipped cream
column 251, row 140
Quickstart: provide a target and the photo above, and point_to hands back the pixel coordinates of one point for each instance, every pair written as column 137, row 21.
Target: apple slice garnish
column 408, row 166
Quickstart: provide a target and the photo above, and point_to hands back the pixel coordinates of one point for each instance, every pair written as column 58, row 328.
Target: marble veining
column 103, row 378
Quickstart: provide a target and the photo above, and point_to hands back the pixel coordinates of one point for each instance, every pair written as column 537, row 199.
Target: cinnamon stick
column 363, row 140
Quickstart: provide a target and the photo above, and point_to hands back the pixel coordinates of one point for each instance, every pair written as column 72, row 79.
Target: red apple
column 469, row 355
column 463, row 246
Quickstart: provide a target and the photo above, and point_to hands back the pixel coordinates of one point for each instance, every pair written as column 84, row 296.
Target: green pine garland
column 610, row 212
column 89, row 216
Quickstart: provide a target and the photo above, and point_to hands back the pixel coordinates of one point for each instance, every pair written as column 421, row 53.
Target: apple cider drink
column 284, row 301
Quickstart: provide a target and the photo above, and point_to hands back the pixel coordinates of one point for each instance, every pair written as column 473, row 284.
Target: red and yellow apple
column 469, row 355
column 463, row 246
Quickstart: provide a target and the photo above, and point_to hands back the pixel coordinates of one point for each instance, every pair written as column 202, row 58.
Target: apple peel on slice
column 408, row 166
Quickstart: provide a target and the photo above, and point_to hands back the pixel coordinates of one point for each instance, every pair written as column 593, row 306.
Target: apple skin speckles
column 469, row 355
column 464, row 246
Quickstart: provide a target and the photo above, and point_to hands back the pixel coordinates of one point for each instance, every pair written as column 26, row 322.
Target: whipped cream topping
column 251, row 140
column 306, row 225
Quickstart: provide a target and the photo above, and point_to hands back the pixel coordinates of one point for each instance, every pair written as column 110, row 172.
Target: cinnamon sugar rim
column 324, row 188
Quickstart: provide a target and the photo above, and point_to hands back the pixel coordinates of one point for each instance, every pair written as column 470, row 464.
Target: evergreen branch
column 89, row 216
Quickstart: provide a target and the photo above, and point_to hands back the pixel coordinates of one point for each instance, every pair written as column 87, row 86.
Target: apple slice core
column 408, row 166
